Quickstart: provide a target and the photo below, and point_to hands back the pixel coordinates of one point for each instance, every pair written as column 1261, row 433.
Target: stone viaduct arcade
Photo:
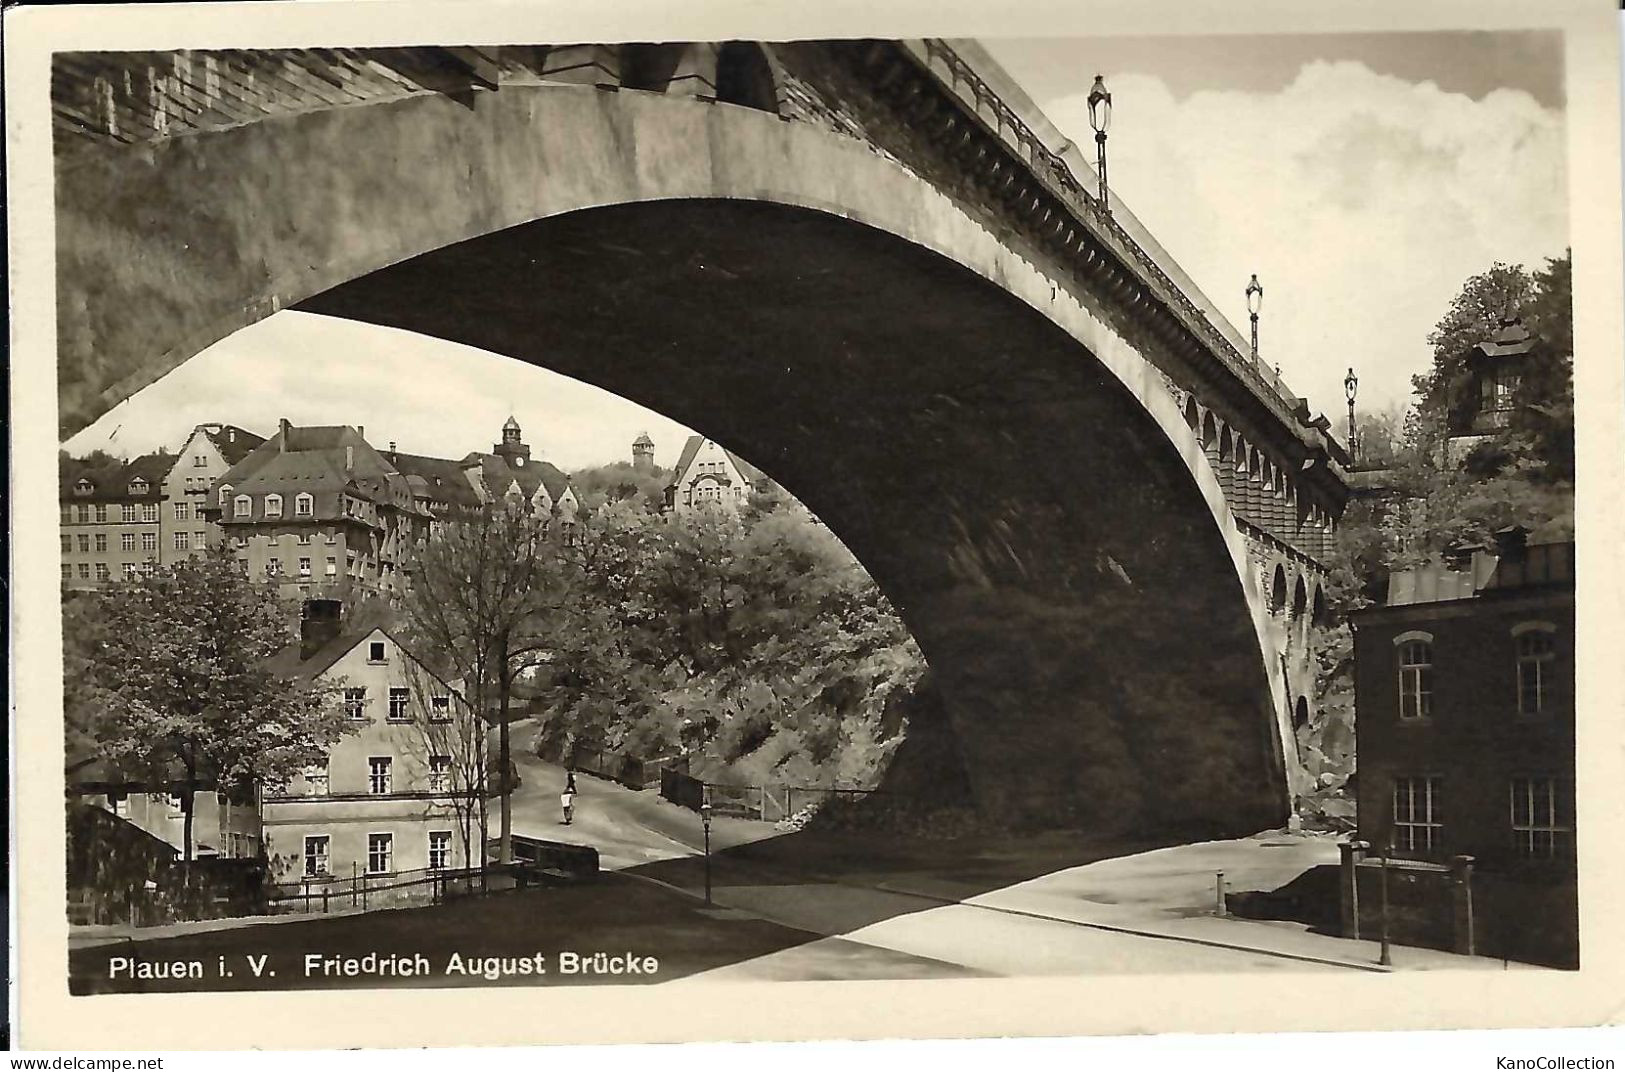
column 872, row 268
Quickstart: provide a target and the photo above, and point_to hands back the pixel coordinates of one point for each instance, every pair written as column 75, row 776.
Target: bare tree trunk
column 504, row 762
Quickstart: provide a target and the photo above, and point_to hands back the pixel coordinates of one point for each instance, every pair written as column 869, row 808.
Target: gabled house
column 398, row 798
column 709, row 474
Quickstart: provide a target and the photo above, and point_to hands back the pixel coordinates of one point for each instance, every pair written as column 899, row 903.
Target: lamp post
column 1386, row 959
column 1255, row 302
column 705, row 819
column 1100, row 117
column 1351, row 384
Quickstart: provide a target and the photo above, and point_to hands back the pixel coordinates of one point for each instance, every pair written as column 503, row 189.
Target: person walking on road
column 567, row 799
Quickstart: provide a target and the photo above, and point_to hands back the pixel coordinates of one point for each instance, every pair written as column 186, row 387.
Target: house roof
column 691, row 447
column 325, row 461
column 233, row 443
column 112, row 483
column 290, row 662
column 436, row 479
column 1511, row 338
column 499, row 473
column 1543, row 563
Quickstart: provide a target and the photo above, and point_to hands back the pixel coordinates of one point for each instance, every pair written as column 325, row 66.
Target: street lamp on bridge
column 1255, row 302
column 1100, row 117
column 1351, row 384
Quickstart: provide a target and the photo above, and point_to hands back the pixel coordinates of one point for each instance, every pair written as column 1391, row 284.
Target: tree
column 484, row 595
column 456, row 734
column 620, row 482
column 1474, row 315
column 178, row 669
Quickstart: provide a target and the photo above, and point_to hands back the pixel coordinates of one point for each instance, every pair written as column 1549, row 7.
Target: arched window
column 1415, row 675
column 225, row 495
column 273, row 506
column 1536, row 648
column 744, row 77
column 304, row 504
column 242, row 506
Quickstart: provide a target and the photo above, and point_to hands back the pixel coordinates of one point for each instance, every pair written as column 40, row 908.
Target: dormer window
column 84, row 487
column 242, row 506
column 304, row 504
column 225, row 495
column 273, row 506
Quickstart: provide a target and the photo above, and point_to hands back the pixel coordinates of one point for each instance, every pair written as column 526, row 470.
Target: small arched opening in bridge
column 1321, row 616
column 745, row 77
column 1278, row 589
column 1300, row 599
column 1300, row 713
column 1210, row 432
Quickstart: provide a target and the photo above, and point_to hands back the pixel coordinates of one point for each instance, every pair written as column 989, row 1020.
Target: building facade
column 223, row 826
column 111, row 520
column 395, row 798
column 709, row 475
column 1464, row 691
column 209, row 452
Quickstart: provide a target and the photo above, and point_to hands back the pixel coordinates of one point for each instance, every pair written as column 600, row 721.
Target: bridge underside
column 1090, row 641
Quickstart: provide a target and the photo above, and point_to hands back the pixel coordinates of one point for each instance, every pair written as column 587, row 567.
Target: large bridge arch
column 1008, row 466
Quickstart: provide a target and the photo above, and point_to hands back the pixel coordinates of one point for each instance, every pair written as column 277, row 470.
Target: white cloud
column 1362, row 201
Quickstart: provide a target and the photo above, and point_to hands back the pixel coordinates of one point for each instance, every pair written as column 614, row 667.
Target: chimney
column 283, row 428
column 320, row 622
column 361, row 430
column 231, row 435
column 392, row 446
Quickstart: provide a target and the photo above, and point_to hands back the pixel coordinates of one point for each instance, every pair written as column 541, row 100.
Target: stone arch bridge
column 872, row 268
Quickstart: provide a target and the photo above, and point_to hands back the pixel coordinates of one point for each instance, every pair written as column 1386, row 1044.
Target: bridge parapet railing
column 1052, row 169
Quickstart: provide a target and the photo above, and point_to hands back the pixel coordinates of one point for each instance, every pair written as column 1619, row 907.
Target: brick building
column 1464, row 691
column 386, row 803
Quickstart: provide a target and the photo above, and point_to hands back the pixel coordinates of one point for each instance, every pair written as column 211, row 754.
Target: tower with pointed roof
column 512, row 449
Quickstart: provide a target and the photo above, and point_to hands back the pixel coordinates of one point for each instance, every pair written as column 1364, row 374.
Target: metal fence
column 769, row 803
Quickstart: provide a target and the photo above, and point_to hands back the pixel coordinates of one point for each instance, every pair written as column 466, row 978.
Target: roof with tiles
column 233, row 443
column 114, row 483
column 326, row 462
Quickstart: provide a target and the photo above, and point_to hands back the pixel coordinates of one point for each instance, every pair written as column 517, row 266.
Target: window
column 102, row 572
column 242, row 506
column 378, row 774
column 1536, row 651
column 200, row 540
column 83, row 487
column 183, row 511
column 397, row 704
column 126, row 541
column 439, row 774
column 304, row 505
column 380, row 853
column 332, row 567
column 1542, row 817
column 316, row 855
column 273, row 506
column 225, row 495
column 138, row 486
column 67, row 544
column 119, row 804
column 355, row 704
column 315, row 781
column 67, row 572
column 127, row 511
column 332, row 537
column 149, row 541
column 1417, row 822
column 304, row 539
column 439, row 850
column 1415, row 675
column 101, row 512
column 199, row 461
column 101, row 541
column 273, row 567
column 375, row 651
column 84, row 571
column 84, row 543
column 440, row 709
column 182, row 541
column 176, row 808
column 129, row 571
column 149, row 511
column 304, row 567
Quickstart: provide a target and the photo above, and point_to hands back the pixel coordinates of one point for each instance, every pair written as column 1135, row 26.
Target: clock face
column 519, row 461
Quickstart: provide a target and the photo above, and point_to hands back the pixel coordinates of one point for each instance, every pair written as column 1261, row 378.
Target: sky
column 1362, row 177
